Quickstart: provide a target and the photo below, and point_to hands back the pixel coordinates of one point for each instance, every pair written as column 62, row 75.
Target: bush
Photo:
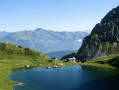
column 94, row 36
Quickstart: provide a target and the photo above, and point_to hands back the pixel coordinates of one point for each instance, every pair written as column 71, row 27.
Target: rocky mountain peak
column 108, row 28
column 111, row 16
column 103, row 40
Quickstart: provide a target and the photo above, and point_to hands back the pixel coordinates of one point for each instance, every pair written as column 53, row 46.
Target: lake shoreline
column 91, row 65
column 17, row 84
column 41, row 70
column 84, row 66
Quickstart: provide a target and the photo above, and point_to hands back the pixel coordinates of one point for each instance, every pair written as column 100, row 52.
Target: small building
column 73, row 59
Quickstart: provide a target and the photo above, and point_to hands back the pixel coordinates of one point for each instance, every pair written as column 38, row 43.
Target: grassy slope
column 13, row 57
column 7, row 66
column 110, row 63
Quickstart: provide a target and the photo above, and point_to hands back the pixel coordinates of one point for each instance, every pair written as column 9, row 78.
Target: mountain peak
column 104, row 37
column 112, row 15
column 118, row 6
column 103, row 40
column 40, row 29
column 109, row 23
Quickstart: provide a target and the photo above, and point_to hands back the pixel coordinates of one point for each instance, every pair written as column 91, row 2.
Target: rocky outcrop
column 103, row 40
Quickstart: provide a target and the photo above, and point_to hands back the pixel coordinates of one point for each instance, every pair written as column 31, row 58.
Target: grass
column 94, row 36
column 13, row 57
column 8, row 66
column 102, row 63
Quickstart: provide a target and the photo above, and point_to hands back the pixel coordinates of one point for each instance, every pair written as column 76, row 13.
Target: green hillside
column 9, row 51
column 109, row 63
column 13, row 57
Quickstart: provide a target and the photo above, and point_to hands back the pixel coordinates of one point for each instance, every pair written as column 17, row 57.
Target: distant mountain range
column 45, row 40
column 60, row 54
column 4, row 33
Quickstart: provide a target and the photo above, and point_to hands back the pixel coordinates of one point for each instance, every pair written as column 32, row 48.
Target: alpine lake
column 64, row 78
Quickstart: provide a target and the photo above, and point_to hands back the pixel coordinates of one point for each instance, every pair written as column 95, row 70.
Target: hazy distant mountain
column 59, row 54
column 4, row 33
column 46, row 40
column 87, row 31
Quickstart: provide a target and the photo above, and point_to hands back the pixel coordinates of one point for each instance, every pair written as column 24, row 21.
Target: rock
column 27, row 66
column 19, row 46
column 61, row 64
column 47, row 67
column 55, row 58
column 50, row 60
column 40, row 64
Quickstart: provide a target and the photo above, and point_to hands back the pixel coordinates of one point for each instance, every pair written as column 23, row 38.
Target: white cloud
column 79, row 40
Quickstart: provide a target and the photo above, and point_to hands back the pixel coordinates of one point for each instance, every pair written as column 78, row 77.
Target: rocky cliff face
column 103, row 40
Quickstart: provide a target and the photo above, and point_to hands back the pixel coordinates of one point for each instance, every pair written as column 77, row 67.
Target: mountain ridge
column 46, row 40
column 103, row 40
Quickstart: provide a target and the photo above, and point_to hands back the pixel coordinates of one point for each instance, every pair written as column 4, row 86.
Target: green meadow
column 15, row 57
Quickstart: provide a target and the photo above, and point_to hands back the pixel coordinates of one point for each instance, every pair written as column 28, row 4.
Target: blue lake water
column 65, row 78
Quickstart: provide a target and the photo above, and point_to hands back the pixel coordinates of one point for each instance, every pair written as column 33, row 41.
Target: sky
column 57, row 15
